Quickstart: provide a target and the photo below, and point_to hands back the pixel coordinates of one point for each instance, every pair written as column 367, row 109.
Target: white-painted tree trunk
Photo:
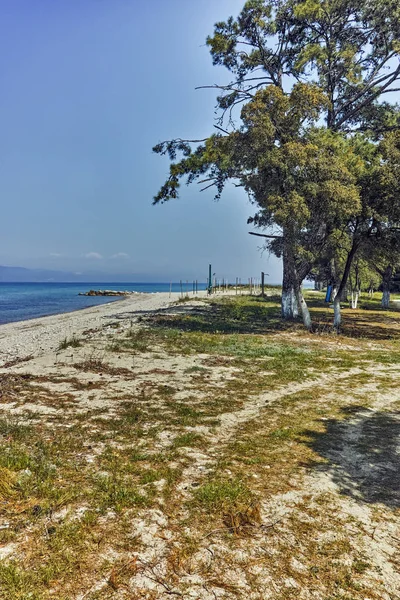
column 290, row 309
column 354, row 299
column 292, row 298
column 305, row 313
column 337, row 321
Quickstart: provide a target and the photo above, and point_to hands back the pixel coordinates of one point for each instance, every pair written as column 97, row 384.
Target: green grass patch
column 187, row 440
column 113, row 491
column 72, row 342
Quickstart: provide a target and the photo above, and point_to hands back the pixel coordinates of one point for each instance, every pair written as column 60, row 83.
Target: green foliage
column 347, row 47
column 297, row 64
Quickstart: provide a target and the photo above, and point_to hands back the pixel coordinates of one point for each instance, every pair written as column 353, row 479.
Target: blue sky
column 88, row 87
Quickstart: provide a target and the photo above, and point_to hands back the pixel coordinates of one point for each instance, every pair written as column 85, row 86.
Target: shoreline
column 37, row 336
column 56, row 314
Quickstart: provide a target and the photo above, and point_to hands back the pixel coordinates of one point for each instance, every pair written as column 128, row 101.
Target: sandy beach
column 35, row 337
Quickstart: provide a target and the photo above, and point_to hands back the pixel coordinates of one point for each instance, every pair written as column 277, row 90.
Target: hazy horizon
column 22, row 275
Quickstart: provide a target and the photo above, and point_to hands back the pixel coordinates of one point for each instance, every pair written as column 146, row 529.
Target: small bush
column 73, row 342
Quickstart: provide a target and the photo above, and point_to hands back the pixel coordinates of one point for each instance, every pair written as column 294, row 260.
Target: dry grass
column 217, row 465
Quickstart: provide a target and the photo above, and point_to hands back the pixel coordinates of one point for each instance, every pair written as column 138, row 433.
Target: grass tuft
column 221, row 495
column 187, row 440
column 72, row 342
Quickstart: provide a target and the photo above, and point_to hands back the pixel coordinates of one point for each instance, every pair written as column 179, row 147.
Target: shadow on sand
column 363, row 454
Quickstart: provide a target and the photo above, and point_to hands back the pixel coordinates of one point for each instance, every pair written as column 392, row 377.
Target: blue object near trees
column 328, row 296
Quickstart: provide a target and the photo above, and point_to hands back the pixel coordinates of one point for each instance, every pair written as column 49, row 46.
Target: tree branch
column 270, row 237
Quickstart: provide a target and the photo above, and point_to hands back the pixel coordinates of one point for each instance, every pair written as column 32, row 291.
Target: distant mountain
column 23, row 275
column 20, row 274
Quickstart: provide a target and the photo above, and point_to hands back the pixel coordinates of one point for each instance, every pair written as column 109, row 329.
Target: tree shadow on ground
column 261, row 315
column 362, row 454
column 178, row 309
column 258, row 315
column 360, row 324
column 369, row 321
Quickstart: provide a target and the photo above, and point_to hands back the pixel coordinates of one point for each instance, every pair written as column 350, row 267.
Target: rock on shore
column 106, row 293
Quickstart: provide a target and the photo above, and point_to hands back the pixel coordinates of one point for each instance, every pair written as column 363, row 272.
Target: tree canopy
column 305, row 130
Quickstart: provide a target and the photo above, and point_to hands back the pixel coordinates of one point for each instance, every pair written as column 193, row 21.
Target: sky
column 88, row 88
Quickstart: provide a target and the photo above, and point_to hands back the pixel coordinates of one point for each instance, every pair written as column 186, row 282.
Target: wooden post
column 181, row 288
column 236, row 285
column 262, row 284
column 170, row 289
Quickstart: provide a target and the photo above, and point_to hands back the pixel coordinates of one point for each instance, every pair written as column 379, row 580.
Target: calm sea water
column 21, row 301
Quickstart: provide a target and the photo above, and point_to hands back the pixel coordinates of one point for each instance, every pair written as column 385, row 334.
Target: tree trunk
column 318, row 285
column 305, row 313
column 292, row 298
column 345, row 295
column 290, row 308
column 337, row 321
column 387, row 279
column 354, row 299
column 386, row 299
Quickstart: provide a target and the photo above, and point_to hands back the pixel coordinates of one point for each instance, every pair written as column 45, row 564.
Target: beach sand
column 36, row 337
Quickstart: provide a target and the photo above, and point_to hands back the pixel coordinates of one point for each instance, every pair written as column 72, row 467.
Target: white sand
column 39, row 336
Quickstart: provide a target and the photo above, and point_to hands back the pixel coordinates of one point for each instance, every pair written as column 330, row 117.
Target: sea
column 22, row 301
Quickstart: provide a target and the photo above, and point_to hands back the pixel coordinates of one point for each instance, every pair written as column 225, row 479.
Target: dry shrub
column 7, row 480
column 238, row 521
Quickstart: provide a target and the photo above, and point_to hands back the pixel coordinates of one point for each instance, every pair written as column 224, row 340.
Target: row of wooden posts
column 253, row 286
